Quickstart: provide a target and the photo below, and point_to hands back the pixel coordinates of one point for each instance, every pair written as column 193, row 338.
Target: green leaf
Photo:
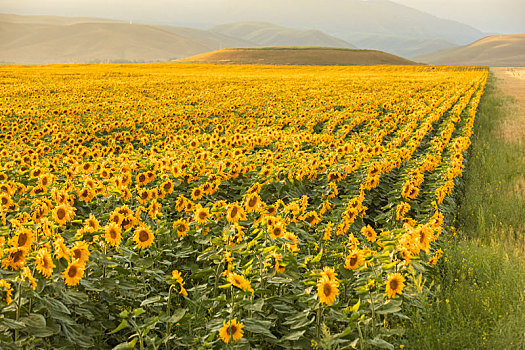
column 54, row 305
column 151, row 300
column 34, row 321
column 355, row 308
column 121, row 326
column 293, row 336
column 138, row 312
column 317, row 258
column 12, row 324
column 389, row 307
column 177, row 315
column 380, row 343
column 126, row 346
column 45, row 332
column 259, row 327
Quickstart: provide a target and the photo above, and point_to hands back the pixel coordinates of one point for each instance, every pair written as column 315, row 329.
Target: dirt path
column 511, row 80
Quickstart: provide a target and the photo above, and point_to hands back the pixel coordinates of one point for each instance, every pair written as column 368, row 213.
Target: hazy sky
column 503, row 16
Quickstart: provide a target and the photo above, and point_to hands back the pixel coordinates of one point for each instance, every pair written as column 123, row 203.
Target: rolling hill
column 495, row 50
column 297, row 56
column 268, row 34
column 49, row 39
column 36, row 43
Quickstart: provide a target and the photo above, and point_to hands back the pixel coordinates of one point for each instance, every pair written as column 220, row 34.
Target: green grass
column 479, row 300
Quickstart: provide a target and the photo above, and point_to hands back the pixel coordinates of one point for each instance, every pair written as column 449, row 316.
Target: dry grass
column 511, row 81
column 495, row 50
column 298, row 56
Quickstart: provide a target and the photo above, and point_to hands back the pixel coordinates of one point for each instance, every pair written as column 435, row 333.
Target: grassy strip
column 479, row 300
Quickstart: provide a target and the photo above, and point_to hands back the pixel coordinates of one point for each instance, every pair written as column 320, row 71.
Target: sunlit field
column 206, row 206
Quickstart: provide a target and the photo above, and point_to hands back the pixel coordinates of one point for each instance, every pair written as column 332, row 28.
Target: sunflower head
column 73, row 273
column 369, row 233
column 44, row 263
column 327, row 290
column 113, row 234
column 143, row 237
column 354, row 260
column 202, row 215
column 181, row 227
column 253, row 202
column 394, row 284
column 231, row 331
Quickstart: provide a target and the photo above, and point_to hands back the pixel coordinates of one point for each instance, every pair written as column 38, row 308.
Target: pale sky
column 503, row 16
column 490, row 16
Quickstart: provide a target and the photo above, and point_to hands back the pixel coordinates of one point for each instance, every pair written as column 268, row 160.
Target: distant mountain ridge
column 350, row 20
column 268, row 34
column 494, row 50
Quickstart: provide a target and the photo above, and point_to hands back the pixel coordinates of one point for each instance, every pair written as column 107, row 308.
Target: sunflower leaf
column 121, row 326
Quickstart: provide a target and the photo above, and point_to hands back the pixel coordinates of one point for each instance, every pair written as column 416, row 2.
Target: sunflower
column 141, row 179
column 240, row 282
column 394, row 284
column 26, row 273
column 155, row 209
column 426, row 235
column 329, row 272
column 143, row 237
column 271, row 210
column 116, row 217
column 167, row 187
column 207, row 188
column 253, row 202
column 180, row 203
column 5, row 200
column 312, row 218
column 8, row 290
column 80, row 252
column 126, row 194
column 202, row 215
column 91, row 224
column 86, row 167
column 354, row 260
column 369, row 233
column 106, row 174
column 128, row 222
column 113, row 234
column 86, row 194
column 277, row 231
column 235, row 213
column 44, row 263
column 231, row 331
column 23, row 239
column 15, row 259
column 63, row 213
column 144, row 196
column 327, row 290
column 197, row 193
column 182, row 228
column 45, row 180
column 73, row 273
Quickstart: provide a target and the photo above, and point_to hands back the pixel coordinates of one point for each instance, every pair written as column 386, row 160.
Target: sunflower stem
column 169, row 315
column 373, row 313
column 361, row 345
column 18, row 306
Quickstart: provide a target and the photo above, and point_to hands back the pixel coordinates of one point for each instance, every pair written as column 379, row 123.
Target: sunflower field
column 163, row 206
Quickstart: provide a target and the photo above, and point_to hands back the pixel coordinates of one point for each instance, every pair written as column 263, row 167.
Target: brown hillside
column 317, row 56
column 495, row 50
